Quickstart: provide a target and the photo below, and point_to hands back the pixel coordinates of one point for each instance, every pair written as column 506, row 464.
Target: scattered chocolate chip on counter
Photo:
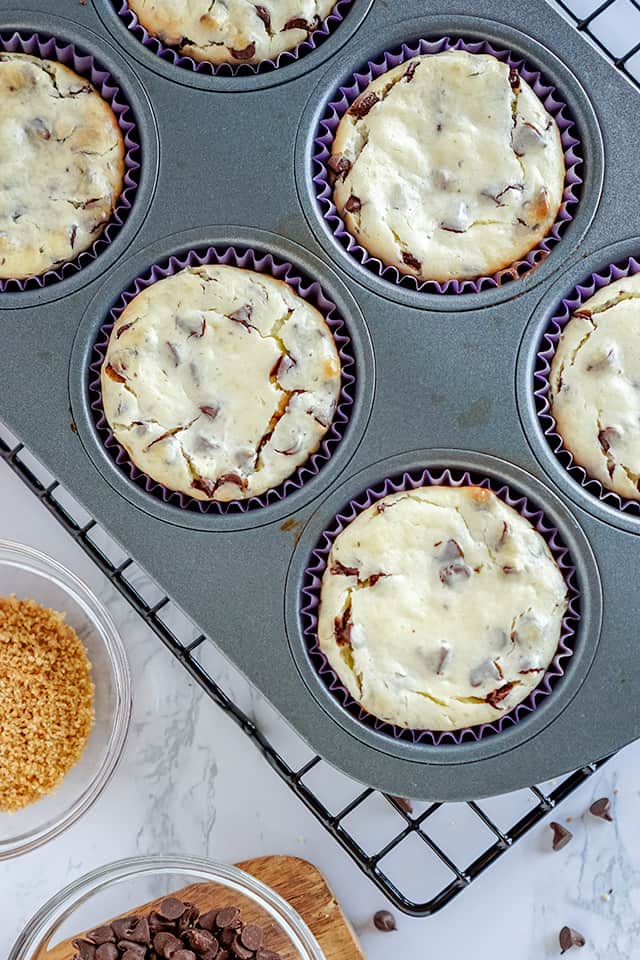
column 570, row 938
column 384, row 920
column 176, row 930
column 561, row 836
column 46, row 702
column 602, row 809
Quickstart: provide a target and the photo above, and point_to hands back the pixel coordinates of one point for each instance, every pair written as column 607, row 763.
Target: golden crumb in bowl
column 46, row 701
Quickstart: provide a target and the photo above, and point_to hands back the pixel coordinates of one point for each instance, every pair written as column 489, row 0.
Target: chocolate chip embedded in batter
column 606, row 437
column 570, row 938
column 264, row 15
column 40, row 129
column 454, row 571
column 410, row 71
column 514, row 79
column 496, row 697
column 365, row 102
column 210, row 410
column 113, row 374
column 339, row 164
column 353, row 204
column 123, row 329
column 342, row 627
column 411, row 261
column 282, row 365
column 443, row 659
column 245, row 54
column 339, row 569
column 297, row 23
column 243, row 316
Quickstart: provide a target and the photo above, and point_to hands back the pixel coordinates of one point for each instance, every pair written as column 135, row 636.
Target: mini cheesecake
column 440, row 608
column 220, row 382
column 448, row 167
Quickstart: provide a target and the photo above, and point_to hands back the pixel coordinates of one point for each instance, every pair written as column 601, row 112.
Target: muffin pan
column 442, row 380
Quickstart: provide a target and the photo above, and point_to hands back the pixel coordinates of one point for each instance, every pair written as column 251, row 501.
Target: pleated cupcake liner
column 349, row 92
column 85, row 65
column 544, row 358
column 249, row 259
column 169, row 54
column 312, row 584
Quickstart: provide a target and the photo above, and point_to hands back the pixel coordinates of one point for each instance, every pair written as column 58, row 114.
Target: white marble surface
column 191, row 783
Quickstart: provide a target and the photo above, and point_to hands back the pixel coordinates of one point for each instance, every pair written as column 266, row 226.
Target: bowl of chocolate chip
column 167, row 908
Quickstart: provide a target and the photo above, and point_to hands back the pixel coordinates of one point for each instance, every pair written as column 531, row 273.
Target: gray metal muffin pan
column 442, row 380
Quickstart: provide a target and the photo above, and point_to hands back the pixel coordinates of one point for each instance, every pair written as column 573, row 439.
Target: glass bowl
column 124, row 887
column 29, row 574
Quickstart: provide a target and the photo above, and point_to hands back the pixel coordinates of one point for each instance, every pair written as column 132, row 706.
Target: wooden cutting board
column 297, row 881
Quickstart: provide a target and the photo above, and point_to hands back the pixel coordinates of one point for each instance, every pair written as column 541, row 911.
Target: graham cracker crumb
column 46, row 701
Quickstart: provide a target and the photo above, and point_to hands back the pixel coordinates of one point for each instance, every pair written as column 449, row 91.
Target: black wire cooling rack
column 420, row 856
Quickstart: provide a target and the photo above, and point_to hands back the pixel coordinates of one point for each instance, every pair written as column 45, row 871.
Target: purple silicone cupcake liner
column 312, row 583
column 307, row 289
column 84, row 64
column 348, row 93
column 171, row 55
column 544, row 358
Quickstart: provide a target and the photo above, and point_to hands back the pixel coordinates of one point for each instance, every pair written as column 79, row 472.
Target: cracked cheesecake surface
column 594, row 386
column 441, row 608
column 62, row 161
column 231, row 31
column 448, row 167
column 220, row 382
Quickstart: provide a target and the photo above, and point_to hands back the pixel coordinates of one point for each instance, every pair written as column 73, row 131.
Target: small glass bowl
column 29, row 574
column 122, row 888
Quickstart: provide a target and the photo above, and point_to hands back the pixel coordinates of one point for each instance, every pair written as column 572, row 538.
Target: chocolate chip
column 297, row 23
column 200, row 941
column 172, row 909
column 342, row 627
column 165, row 944
column 454, row 571
column 411, row 70
column 384, row 920
column 264, row 15
column 123, row 925
column 561, row 836
column 113, row 374
column 208, row 920
column 137, row 951
column 443, row 658
column 73, row 233
column 514, row 79
column 411, row 261
column 602, row 809
column 570, row 938
column 103, row 934
column 40, row 128
column 281, row 366
column 339, row 164
column 86, row 950
column 606, row 436
column 497, row 696
column 183, row 955
column 339, row 569
column 239, row 950
column 130, row 954
column 123, row 329
column 405, row 805
column 140, row 932
column 210, row 410
column 365, row 102
column 251, row 936
column 227, row 936
column 246, row 54
column 353, row 204
column 107, row 951
column 228, row 917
